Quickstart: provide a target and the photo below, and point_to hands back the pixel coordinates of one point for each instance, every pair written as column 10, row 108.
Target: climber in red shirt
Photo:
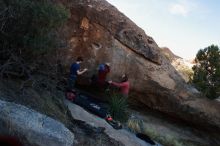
column 123, row 85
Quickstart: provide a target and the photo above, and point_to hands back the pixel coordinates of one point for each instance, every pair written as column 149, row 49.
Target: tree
column 28, row 30
column 207, row 71
column 28, row 24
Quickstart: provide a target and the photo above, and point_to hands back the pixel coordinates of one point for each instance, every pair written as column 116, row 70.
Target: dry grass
column 136, row 125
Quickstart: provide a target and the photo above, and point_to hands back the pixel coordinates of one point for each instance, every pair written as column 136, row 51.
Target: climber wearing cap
column 123, row 85
column 103, row 70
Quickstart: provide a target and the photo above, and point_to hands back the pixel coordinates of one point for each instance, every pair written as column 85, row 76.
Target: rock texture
column 99, row 32
column 36, row 129
column 123, row 136
column 183, row 66
column 169, row 54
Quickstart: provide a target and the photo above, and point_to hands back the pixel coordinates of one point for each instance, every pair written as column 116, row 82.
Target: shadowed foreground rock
column 36, row 129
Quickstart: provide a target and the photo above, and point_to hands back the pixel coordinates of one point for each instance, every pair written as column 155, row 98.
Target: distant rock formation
column 183, row 66
column 99, row 32
column 169, row 54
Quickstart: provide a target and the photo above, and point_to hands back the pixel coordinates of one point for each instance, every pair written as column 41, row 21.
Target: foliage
column 207, row 71
column 167, row 140
column 135, row 125
column 28, row 30
column 118, row 108
column 28, row 24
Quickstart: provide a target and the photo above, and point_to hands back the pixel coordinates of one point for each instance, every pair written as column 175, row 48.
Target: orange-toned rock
column 100, row 33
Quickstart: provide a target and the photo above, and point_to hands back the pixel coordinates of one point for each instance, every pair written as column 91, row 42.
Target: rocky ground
column 124, row 136
column 50, row 103
column 169, row 131
column 86, row 127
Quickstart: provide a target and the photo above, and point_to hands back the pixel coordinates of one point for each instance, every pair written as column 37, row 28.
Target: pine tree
column 207, row 71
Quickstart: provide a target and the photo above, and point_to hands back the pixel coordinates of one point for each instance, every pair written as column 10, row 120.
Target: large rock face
column 32, row 127
column 99, row 32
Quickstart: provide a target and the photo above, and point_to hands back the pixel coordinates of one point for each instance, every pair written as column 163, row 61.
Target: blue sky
column 184, row 26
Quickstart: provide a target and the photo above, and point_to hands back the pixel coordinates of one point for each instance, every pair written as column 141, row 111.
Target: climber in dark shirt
column 74, row 72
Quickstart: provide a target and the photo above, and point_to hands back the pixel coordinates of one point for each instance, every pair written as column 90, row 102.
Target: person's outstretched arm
column 117, row 84
column 81, row 72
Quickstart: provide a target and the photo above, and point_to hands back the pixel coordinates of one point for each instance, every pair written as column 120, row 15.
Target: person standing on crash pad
column 75, row 71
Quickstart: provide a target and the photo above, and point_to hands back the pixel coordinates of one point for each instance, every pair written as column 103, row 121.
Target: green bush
column 28, row 25
column 206, row 75
column 118, row 108
column 28, row 33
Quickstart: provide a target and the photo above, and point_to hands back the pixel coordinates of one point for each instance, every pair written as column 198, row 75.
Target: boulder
column 100, row 33
column 32, row 127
